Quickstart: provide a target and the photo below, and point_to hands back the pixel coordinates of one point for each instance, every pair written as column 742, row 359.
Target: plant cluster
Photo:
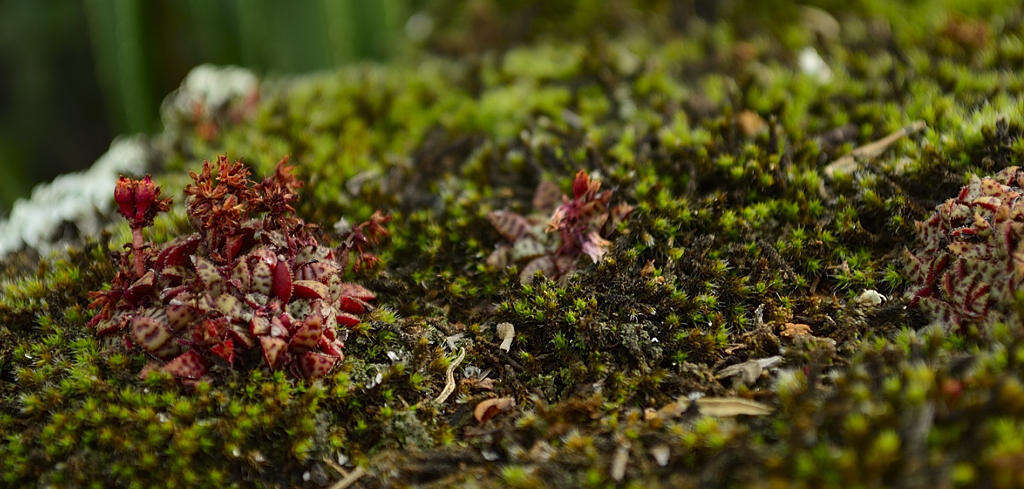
column 971, row 261
column 252, row 277
column 552, row 245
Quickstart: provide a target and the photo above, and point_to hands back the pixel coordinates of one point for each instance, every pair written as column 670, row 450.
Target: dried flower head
column 139, row 200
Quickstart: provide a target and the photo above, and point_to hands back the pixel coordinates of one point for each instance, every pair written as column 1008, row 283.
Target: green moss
column 733, row 236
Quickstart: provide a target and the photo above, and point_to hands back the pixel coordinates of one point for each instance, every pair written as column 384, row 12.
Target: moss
column 737, row 231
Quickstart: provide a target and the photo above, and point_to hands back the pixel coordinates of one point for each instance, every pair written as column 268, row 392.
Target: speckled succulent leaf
column 188, row 365
column 546, row 196
column 242, row 336
column 241, row 277
column 527, row 248
column 318, row 271
column 231, row 307
column 315, row 365
column 150, row 333
column 262, row 278
column 544, row 264
column 259, row 326
column 207, row 273
column 272, row 350
column 511, row 225
column 308, row 334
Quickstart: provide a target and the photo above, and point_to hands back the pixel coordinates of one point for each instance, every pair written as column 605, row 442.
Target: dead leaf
column 619, row 461
column 449, row 385
column 750, row 370
column 507, row 332
column 750, row 123
column 870, row 151
column 731, row 406
column 661, row 452
column 792, row 330
column 713, row 406
column 490, row 408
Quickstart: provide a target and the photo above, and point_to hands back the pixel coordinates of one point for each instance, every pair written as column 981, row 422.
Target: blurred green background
column 75, row 73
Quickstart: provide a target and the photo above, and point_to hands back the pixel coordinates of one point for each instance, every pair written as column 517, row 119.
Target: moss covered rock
column 776, row 157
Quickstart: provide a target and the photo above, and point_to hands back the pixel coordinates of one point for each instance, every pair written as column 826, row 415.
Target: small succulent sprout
column 970, row 262
column 551, row 245
column 251, row 285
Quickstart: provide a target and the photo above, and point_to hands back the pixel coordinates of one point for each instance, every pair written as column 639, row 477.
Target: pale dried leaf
column 870, row 151
column 731, row 406
column 595, row 246
column 619, row 461
column 490, row 408
column 449, row 385
column 507, row 332
column 750, row 370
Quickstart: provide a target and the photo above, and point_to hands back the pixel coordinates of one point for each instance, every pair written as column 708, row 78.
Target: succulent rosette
column 970, row 265
column 253, row 284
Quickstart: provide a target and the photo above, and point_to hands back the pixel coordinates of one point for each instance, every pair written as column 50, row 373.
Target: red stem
column 137, row 258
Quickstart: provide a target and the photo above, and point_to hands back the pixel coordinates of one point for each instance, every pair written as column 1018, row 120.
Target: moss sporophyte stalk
column 251, row 285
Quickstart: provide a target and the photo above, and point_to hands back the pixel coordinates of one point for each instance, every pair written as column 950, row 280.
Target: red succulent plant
column 579, row 224
column 251, row 284
column 970, row 264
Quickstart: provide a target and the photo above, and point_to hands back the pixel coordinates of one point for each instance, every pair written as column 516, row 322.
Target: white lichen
column 80, row 199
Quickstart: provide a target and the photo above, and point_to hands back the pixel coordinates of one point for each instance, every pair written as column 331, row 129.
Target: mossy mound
column 726, row 132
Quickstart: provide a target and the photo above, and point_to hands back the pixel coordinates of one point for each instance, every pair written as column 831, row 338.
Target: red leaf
column 358, row 291
column 308, row 289
column 175, row 252
column 329, row 347
column 141, row 287
column 225, row 350
column 353, row 305
column 346, row 319
column 282, row 281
